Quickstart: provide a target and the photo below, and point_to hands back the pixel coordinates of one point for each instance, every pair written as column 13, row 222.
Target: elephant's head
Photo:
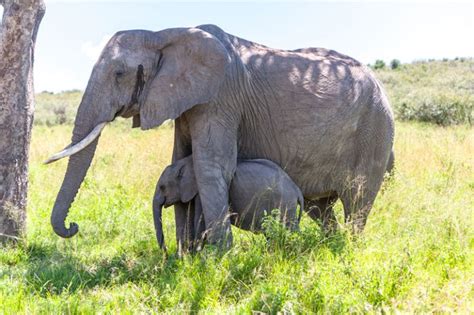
column 176, row 184
column 150, row 76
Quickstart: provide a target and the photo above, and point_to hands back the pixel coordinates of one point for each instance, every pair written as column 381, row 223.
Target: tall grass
column 416, row 254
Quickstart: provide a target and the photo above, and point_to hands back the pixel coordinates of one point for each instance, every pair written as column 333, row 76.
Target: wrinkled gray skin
column 258, row 186
column 320, row 115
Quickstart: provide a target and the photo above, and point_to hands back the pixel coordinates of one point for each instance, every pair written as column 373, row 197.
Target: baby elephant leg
column 290, row 216
column 199, row 225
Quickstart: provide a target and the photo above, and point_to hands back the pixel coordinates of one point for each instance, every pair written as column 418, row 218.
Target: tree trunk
column 21, row 19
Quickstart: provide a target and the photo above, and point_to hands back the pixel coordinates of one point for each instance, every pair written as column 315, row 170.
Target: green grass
column 416, row 254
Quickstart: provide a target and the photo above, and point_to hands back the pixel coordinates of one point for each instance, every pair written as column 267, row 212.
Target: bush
column 440, row 92
column 56, row 109
column 439, row 109
column 379, row 64
column 395, row 64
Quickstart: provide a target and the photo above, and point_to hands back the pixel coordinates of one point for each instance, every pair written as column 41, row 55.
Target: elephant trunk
column 86, row 120
column 158, row 203
column 76, row 171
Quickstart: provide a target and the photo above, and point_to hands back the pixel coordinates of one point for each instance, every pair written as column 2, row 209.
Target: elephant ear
column 187, row 183
column 190, row 70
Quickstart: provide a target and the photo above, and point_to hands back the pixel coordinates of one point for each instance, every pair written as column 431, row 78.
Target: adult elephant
column 322, row 116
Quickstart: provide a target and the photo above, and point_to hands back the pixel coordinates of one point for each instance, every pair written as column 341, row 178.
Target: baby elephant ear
column 190, row 72
column 187, row 183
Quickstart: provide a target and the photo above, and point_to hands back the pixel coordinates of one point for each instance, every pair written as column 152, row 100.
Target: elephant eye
column 119, row 73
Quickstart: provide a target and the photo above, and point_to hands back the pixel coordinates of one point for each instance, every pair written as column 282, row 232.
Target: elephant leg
column 357, row 200
column 185, row 233
column 182, row 148
column 214, row 192
column 214, row 144
column 322, row 211
column 199, row 224
column 372, row 155
column 361, row 187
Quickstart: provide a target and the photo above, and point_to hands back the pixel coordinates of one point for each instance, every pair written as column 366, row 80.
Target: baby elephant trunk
column 158, row 202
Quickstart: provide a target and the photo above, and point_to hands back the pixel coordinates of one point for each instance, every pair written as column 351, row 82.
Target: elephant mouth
column 128, row 111
column 168, row 203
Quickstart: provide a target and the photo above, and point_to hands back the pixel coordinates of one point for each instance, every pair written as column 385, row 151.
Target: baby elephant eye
column 119, row 73
column 162, row 187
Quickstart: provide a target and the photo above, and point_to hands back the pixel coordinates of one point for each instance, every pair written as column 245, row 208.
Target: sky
column 73, row 33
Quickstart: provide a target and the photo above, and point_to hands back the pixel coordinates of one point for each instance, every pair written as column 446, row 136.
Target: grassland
column 416, row 254
column 440, row 92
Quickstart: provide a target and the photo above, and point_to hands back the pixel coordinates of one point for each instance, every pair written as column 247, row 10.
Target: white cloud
column 93, row 50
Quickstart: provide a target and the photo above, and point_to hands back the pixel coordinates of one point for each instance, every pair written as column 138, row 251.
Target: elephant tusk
column 73, row 149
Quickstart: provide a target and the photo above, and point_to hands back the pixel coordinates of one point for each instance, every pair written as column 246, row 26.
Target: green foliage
column 56, row 109
column 415, row 255
column 379, row 64
column 395, row 64
column 442, row 109
column 440, row 92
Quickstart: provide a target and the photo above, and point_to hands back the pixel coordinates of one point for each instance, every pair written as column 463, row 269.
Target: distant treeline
column 434, row 91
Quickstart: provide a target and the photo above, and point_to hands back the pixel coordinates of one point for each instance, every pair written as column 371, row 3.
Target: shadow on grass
column 52, row 272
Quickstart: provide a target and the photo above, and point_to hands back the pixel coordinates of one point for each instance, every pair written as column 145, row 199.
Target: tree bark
column 18, row 30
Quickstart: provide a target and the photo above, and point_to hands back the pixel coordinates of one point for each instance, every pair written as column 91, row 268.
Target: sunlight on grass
column 416, row 254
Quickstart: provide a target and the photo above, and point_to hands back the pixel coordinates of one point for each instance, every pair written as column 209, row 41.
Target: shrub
column 395, row 64
column 439, row 109
column 56, row 108
column 60, row 113
column 379, row 64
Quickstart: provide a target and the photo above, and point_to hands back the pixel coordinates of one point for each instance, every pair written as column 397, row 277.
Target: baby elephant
column 258, row 187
